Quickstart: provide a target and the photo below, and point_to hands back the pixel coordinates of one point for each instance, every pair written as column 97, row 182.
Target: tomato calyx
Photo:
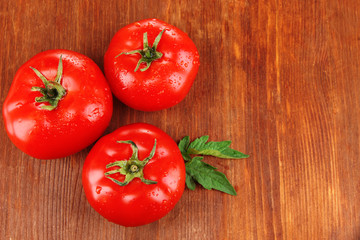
column 148, row 54
column 53, row 91
column 132, row 168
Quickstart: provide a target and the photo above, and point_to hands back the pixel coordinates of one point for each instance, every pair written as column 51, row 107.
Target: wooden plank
column 278, row 78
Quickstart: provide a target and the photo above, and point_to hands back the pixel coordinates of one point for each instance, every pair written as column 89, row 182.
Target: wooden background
column 280, row 78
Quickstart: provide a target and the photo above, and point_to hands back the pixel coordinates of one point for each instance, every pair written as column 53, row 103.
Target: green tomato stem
column 148, row 54
column 52, row 91
column 132, row 168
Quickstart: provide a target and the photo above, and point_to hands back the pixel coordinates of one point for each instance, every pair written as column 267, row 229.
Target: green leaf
column 200, row 172
column 190, row 182
column 207, row 176
column 217, row 149
column 183, row 146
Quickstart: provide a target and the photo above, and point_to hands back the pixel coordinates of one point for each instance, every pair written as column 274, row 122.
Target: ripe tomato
column 155, row 175
column 151, row 65
column 59, row 103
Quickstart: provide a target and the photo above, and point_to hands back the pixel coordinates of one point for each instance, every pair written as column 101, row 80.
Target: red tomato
column 168, row 65
column 66, row 115
column 158, row 177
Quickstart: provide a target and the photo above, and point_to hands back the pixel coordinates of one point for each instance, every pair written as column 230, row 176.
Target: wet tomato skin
column 136, row 203
column 80, row 118
column 167, row 81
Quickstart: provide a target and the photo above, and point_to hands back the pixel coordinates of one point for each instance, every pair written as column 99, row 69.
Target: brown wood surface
column 280, row 78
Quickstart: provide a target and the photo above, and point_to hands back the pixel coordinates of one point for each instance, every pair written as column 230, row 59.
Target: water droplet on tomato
column 95, row 111
column 137, row 24
column 19, row 104
column 98, row 189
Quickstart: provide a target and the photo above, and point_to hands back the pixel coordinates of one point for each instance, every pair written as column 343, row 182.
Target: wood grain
column 279, row 78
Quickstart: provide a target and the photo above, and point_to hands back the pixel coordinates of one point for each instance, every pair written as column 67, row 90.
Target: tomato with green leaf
column 134, row 175
column 151, row 65
column 58, row 104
